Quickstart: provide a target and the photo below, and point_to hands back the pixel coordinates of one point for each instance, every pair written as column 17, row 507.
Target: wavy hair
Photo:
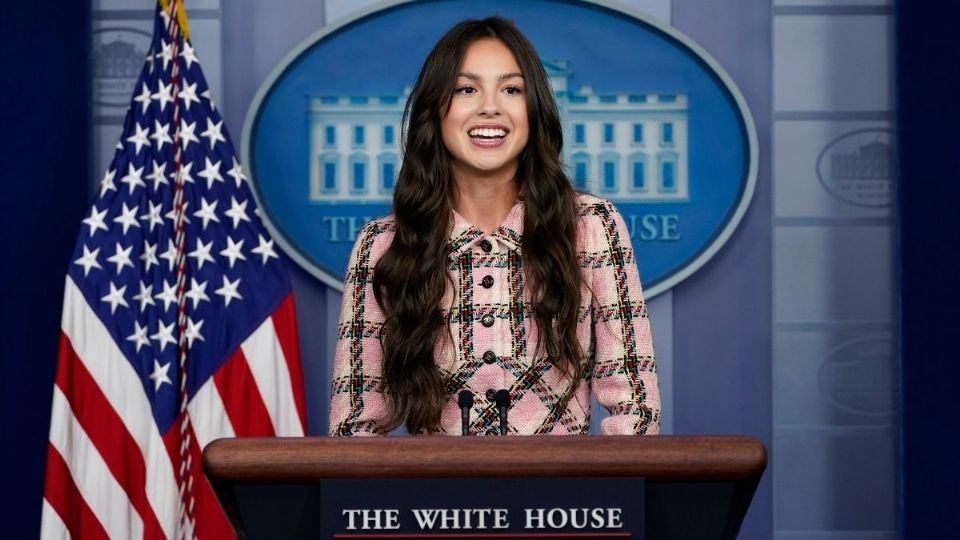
column 411, row 277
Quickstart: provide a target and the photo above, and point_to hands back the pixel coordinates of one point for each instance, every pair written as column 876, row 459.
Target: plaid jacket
column 494, row 334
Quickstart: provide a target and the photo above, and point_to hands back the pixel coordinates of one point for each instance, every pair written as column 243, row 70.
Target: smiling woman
column 494, row 288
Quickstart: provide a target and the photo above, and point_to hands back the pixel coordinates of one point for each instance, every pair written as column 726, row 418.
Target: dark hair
column 411, row 277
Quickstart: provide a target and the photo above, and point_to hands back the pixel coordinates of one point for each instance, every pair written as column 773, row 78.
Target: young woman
column 492, row 273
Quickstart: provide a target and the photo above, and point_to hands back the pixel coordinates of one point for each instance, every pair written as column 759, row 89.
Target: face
column 486, row 127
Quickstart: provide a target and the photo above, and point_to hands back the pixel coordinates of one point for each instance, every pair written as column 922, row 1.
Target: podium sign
column 583, row 508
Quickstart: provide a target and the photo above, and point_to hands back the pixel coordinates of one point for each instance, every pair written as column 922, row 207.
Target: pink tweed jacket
column 494, row 336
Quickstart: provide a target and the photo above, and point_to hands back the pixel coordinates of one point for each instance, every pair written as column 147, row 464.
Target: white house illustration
column 626, row 147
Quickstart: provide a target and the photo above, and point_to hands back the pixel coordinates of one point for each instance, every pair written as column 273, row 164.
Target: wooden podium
column 695, row 486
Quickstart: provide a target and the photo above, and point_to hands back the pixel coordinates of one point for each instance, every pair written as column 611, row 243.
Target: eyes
column 510, row 90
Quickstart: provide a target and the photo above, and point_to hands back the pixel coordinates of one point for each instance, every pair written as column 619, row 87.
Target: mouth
column 487, row 134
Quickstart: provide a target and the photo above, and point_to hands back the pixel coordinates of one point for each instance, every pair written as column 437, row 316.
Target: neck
column 485, row 200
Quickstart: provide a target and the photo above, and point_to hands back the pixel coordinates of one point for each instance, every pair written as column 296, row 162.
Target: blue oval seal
column 650, row 120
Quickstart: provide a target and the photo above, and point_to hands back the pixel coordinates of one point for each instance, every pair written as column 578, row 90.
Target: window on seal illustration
column 608, row 172
column 387, row 135
column 330, row 136
column 608, row 133
column 358, row 135
column 388, row 172
column 668, row 172
column 328, row 173
column 579, row 134
column 666, row 133
column 581, row 170
column 638, row 134
column 358, row 173
column 638, row 172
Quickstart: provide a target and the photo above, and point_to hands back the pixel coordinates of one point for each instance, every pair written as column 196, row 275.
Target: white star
column 121, row 257
column 232, row 251
column 127, row 217
column 197, row 292
column 95, row 221
column 237, row 172
column 237, row 211
column 139, row 138
column 159, row 375
column 107, row 183
column 161, row 134
column 265, row 249
column 166, row 19
column 206, row 94
column 139, row 336
column 133, row 177
column 188, row 55
column 172, row 214
column 170, row 254
column 89, row 260
column 158, row 174
column 164, row 335
column 166, row 54
column 193, row 332
column 207, row 212
column 201, row 253
column 211, row 172
column 229, row 291
column 213, row 132
column 185, row 169
column 144, row 97
column 163, row 93
column 188, row 94
column 145, row 296
column 153, row 215
column 115, row 297
column 186, row 133
column 169, row 296
column 149, row 255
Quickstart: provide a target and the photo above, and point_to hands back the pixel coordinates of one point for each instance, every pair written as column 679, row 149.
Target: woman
column 492, row 273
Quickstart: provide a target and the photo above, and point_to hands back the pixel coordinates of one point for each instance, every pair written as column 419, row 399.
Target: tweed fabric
column 613, row 330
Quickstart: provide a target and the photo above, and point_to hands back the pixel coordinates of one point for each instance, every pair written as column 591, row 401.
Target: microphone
column 465, row 400
column 502, row 398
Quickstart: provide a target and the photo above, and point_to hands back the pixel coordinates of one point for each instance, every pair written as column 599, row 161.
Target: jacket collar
column 464, row 235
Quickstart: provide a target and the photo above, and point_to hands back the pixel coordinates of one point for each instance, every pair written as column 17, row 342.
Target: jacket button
column 487, row 320
column 486, row 246
column 491, row 394
column 487, row 282
column 489, row 357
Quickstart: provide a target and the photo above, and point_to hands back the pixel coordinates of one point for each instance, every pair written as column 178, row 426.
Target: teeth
column 488, row 132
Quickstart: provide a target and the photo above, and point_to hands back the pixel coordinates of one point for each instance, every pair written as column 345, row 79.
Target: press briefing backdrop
column 784, row 329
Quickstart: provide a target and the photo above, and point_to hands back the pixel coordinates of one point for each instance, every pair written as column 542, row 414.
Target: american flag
column 178, row 324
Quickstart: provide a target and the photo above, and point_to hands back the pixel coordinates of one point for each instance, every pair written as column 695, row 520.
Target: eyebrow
column 505, row 76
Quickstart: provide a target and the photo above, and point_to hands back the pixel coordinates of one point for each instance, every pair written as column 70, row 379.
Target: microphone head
column 502, row 398
column 465, row 399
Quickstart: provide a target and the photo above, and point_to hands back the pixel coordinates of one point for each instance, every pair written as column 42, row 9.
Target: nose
column 489, row 106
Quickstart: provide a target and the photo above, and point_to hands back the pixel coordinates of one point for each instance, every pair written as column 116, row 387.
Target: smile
column 487, row 133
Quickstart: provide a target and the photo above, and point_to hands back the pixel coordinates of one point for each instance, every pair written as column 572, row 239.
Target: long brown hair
column 411, row 277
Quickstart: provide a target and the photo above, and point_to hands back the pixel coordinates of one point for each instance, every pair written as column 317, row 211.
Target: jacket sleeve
column 358, row 405
column 624, row 377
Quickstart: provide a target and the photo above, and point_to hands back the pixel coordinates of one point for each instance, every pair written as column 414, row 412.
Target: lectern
column 689, row 486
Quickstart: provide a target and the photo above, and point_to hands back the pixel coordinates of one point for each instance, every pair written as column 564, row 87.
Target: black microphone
column 502, row 397
column 465, row 400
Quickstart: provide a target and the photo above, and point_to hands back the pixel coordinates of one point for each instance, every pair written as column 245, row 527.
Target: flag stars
column 265, row 249
column 197, row 292
column 170, row 255
column 121, row 257
column 168, row 296
column 145, row 296
column 127, row 217
column 213, row 132
column 237, row 211
column 193, row 332
column 139, row 138
column 202, row 253
column 229, row 290
column 158, row 175
column 115, row 298
column 133, row 178
column 211, row 172
column 144, row 98
column 188, row 94
column 163, row 92
column 88, row 260
column 187, row 133
column 149, row 255
column 160, row 375
column 95, row 220
column 172, row 214
column 107, row 183
column 166, row 54
column 188, row 54
column 207, row 212
column 164, row 335
column 161, row 134
column 232, row 251
column 139, row 336
column 237, row 172
column 152, row 217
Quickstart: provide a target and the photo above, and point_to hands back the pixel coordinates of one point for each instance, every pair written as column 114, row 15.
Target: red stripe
column 211, row 522
column 106, row 431
column 64, row 497
column 242, row 399
column 285, row 325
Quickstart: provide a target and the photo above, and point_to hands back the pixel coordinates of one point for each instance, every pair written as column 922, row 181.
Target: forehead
column 489, row 55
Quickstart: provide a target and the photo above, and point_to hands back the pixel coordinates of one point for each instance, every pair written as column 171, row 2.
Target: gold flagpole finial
column 181, row 16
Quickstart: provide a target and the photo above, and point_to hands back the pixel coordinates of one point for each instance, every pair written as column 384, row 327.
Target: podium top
column 660, row 457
